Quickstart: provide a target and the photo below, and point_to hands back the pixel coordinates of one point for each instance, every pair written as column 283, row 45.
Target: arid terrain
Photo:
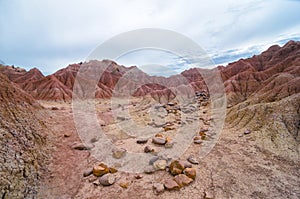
column 49, row 150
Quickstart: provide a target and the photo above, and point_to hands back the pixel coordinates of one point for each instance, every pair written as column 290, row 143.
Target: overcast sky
column 51, row 34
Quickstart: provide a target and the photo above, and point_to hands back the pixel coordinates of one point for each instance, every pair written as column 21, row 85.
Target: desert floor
column 238, row 165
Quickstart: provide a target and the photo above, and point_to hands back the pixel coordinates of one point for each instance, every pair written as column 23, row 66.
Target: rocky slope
column 22, row 146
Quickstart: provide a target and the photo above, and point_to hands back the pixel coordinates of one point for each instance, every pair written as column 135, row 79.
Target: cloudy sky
column 51, row 34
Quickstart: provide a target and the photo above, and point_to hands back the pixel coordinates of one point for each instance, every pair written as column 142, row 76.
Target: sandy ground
column 237, row 166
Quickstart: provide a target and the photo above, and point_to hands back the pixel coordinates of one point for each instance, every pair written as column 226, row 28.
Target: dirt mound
column 22, row 152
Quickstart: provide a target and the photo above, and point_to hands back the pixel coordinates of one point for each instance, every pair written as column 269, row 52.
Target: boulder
column 100, row 170
column 171, row 185
column 176, row 167
column 190, row 172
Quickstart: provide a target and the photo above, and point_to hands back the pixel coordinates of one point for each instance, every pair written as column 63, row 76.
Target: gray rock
column 158, row 124
column 87, row 172
column 152, row 160
column 192, row 160
column 107, row 179
column 197, row 141
column 247, row 131
column 159, row 140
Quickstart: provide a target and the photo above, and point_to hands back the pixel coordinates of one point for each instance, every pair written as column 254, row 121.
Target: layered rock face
column 268, row 77
column 22, row 148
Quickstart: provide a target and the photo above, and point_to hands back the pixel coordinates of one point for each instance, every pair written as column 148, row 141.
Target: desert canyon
column 255, row 155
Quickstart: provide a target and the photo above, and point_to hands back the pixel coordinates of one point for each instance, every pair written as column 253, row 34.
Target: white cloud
column 48, row 33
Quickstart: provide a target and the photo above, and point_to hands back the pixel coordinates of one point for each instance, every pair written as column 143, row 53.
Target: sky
column 51, row 34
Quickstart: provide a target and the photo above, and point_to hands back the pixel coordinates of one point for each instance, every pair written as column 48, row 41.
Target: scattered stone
column 93, row 179
column 204, row 103
column 158, row 124
column 204, row 129
column 171, row 104
column 152, row 160
column 96, row 183
column 202, row 133
column 160, row 164
column 247, row 131
column 142, row 140
column 54, row 108
column 240, row 135
column 192, row 160
column 187, row 164
column 206, row 122
column 197, row 139
column 229, row 106
column 87, row 172
column 68, row 134
column 168, row 139
column 148, row 149
column 122, row 118
column 167, row 128
column 107, row 179
column 82, row 146
column 169, row 145
column 119, row 153
column 112, row 170
column 182, row 180
column 159, row 140
column 100, row 170
column 159, row 135
column 138, row 176
column 208, row 195
column 158, row 188
column 124, row 184
column 171, row 185
column 149, row 169
column 95, row 139
column 176, row 167
column 190, row 172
